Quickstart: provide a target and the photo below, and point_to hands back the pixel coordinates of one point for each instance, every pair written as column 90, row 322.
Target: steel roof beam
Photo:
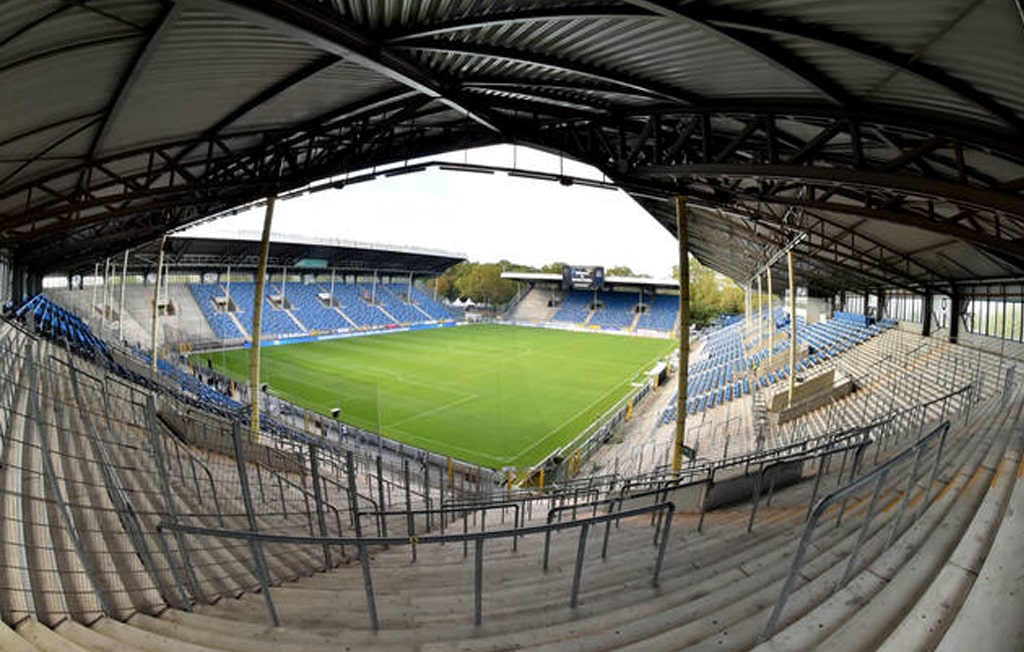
column 763, row 48
column 155, row 33
column 758, row 21
column 651, row 89
column 519, row 16
column 270, row 92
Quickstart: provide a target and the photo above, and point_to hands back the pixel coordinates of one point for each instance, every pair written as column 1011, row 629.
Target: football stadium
column 300, row 442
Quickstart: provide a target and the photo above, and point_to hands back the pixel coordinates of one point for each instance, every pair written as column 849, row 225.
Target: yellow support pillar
column 684, row 333
column 156, row 302
column 792, row 327
column 771, row 319
column 540, row 479
column 257, row 319
column 760, row 314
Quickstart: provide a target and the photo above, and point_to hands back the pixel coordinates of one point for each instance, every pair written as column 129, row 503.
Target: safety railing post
column 254, row 543
column 577, row 575
column 383, row 525
column 318, row 498
column 43, row 435
column 478, row 581
column 364, row 559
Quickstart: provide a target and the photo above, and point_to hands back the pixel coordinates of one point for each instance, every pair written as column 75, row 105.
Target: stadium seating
column 97, row 491
column 617, row 310
column 223, row 326
column 314, row 315
column 307, row 313
column 661, row 315
column 575, row 308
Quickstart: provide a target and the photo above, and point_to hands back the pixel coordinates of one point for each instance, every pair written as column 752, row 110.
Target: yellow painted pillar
column 760, row 313
column 257, row 319
column 771, row 319
column 684, row 332
column 156, row 302
column 792, row 327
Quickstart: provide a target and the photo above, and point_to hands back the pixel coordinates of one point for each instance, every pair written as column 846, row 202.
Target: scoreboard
column 582, row 278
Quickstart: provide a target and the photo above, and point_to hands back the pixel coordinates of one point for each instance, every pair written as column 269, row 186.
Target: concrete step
column 46, row 639
column 11, row 641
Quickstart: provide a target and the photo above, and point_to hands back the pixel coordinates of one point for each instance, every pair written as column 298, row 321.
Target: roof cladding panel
column 975, row 49
column 57, row 33
column 904, row 26
column 49, row 151
column 206, row 67
column 677, row 55
column 856, row 74
column 51, row 89
column 342, row 84
column 906, row 89
column 897, row 122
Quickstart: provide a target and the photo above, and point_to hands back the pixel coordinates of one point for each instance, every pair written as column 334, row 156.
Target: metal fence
column 887, row 477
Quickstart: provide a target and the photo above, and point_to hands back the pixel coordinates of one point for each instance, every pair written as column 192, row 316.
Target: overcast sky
column 485, row 217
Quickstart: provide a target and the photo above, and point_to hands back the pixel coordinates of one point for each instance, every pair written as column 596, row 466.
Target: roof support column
column 955, row 301
column 771, row 318
column 120, row 307
column 792, row 326
column 684, row 333
column 257, row 319
column 95, row 281
column 106, row 290
column 156, row 302
column 760, row 314
column 926, row 314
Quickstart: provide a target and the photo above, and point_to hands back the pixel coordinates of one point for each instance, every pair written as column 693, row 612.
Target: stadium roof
column 298, row 254
column 883, row 141
column 635, row 281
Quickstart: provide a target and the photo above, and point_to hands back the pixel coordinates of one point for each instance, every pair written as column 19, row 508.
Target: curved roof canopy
column 883, row 141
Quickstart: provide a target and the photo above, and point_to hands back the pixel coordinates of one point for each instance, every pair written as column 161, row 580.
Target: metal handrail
column 464, row 510
column 875, row 478
column 478, row 538
column 306, row 494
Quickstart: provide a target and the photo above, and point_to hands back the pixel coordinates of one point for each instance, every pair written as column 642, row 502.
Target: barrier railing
column 256, row 539
column 874, row 481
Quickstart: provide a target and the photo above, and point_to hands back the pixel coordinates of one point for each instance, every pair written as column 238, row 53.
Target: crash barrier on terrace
column 257, row 539
column 904, row 470
column 705, row 485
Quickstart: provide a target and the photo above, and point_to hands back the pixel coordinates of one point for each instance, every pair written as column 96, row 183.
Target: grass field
column 488, row 394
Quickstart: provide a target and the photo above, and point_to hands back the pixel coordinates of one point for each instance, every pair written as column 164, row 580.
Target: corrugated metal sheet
column 341, row 85
column 207, row 66
column 52, row 89
column 673, row 54
column 903, row 25
column 986, row 48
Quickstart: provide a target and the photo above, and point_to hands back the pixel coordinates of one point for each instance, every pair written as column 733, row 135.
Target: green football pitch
column 488, row 394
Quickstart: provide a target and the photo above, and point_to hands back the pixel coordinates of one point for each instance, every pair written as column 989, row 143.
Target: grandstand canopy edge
column 297, row 255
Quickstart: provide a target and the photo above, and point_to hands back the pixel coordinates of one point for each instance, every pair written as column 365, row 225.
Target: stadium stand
column 314, row 315
column 617, row 310
column 307, row 314
column 661, row 315
column 119, row 535
column 575, row 308
column 224, row 327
